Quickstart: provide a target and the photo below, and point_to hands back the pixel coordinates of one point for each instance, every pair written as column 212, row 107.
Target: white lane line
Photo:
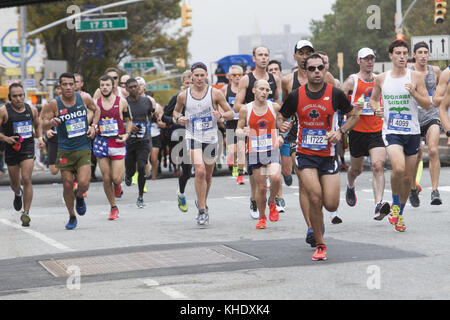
column 168, row 291
column 38, row 235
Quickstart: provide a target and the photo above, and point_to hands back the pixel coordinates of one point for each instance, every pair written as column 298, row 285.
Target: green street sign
column 160, row 87
column 139, row 65
column 11, row 49
column 104, row 24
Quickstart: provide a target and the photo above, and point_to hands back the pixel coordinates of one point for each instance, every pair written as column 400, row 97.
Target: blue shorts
column 410, row 143
column 324, row 165
column 256, row 160
column 285, row 150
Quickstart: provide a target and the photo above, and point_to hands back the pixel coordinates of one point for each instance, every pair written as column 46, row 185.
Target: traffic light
column 181, row 63
column 440, row 9
column 36, row 99
column 186, row 15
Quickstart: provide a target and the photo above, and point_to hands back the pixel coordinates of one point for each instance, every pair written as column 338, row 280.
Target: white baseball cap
column 303, row 43
column 365, row 52
column 140, row 80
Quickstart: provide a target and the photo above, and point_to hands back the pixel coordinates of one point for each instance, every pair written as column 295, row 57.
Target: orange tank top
column 263, row 129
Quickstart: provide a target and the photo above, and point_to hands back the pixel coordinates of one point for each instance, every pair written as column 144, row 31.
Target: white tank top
column 202, row 125
column 401, row 110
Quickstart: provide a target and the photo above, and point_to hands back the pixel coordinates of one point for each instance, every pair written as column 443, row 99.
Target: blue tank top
column 73, row 128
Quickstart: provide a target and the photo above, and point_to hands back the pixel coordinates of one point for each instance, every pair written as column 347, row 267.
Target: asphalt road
column 160, row 253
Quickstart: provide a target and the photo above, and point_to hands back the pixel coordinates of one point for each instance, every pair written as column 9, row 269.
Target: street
column 160, row 253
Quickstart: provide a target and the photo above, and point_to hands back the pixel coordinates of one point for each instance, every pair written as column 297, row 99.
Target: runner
column 155, row 132
column 109, row 144
column 139, row 144
column 113, row 73
column 441, row 89
column 430, row 125
column 68, row 114
column 443, row 110
column 316, row 104
column 201, row 103
column 245, row 95
column 123, row 85
column 402, row 91
column 366, row 137
column 52, row 141
column 263, row 148
column 230, row 90
column 17, row 121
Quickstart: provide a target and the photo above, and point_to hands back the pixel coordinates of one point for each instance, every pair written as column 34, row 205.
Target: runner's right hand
column 55, row 121
column 380, row 112
column 50, row 133
column 11, row 140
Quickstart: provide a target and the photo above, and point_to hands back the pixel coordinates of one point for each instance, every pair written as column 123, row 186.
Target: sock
column 310, row 230
column 240, row 172
column 402, row 207
column 396, row 200
column 181, row 195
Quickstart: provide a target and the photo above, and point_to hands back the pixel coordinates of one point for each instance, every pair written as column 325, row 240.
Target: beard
column 106, row 95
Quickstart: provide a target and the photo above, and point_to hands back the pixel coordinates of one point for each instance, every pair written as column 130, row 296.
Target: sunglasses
column 313, row 68
column 236, row 75
column 115, row 78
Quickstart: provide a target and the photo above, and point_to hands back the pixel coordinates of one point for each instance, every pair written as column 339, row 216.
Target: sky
column 217, row 24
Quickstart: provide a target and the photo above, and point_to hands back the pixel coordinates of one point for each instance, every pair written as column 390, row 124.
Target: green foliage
column 345, row 29
column 147, row 21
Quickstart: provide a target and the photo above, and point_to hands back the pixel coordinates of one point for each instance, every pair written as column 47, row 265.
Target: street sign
column 48, row 82
column 30, row 83
column 139, row 65
column 11, row 49
column 16, row 71
column 439, row 46
column 104, row 24
column 160, row 87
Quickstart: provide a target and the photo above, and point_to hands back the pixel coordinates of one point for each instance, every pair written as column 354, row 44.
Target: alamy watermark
column 374, row 20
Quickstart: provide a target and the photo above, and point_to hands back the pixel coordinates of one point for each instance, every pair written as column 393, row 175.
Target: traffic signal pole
column 401, row 17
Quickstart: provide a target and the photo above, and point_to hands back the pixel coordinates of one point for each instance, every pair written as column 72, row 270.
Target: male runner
column 263, row 148
column 430, row 125
column 366, row 139
column 441, row 89
column 201, row 103
column 443, row 110
column 113, row 73
column 109, row 144
column 403, row 91
column 139, row 143
column 316, row 106
column 123, row 85
column 245, row 95
column 230, row 90
column 68, row 113
column 17, row 120
column 52, row 141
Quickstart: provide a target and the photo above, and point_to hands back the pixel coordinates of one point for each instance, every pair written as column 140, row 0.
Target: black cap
column 421, row 44
column 198, row 65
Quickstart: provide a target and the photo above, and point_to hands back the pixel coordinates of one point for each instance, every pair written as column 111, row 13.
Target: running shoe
column 254, row 209
column 240, row 180
column 18, row 200
column 335, row 218
column 202, row 217
column 382, row 210
column 140, row 203
column 145, row 188
column 310, row 239
column 273, row 215
column 435, row 198
column 400, row 226
column 321, row 253
column 350, row 196
column 393, row 216
column 118, row 192
column 72, row 224
column 235, row 172
column 414, row 198
column 25, row 218
column 343, row 167
column 419, row 187
column 80, row 205
column 182, row 203
column 288, row 179
column 114, row 214
column 280, row 204
column 261, row 223
column 196, row 204
column 134, row 180
column 127, row 181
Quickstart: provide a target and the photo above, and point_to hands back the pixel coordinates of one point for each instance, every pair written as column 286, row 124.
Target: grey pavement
column 160, row 253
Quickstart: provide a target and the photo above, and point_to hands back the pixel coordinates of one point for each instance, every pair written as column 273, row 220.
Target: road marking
column 38, row 235
column 168, row 291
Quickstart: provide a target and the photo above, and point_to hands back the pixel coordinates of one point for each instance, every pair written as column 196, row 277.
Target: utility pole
column 400, row 18
column 23, row 45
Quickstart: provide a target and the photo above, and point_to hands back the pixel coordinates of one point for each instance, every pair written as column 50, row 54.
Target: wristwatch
column 448, row 133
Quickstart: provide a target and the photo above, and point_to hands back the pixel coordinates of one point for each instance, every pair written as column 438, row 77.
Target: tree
column 90, row 53
column 346, row 29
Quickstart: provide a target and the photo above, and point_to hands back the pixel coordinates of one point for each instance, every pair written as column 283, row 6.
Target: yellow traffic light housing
column 186, row 15
column 440, row 9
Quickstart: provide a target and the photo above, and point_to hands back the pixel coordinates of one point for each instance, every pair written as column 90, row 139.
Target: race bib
column 367, row 110
column 400, row 122
column 314, row 139
column 76, row 127
column 231, row 101
column 23, row 129
column 202, row 124
column 261, row 143
column 108, row 128
column 142, row 131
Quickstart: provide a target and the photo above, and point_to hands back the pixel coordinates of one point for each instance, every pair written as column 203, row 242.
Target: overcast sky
column 217, row 24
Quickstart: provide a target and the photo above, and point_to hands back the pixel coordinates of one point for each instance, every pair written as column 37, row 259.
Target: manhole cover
column 146, row 260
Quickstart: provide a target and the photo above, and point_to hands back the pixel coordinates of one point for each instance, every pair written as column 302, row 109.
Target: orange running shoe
column 400, row 226
column 393, row 216
column 261, row 223
column 114, row 214
column 240, row 180
column 273, row 215
column 321, row 253
column 118, row 191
